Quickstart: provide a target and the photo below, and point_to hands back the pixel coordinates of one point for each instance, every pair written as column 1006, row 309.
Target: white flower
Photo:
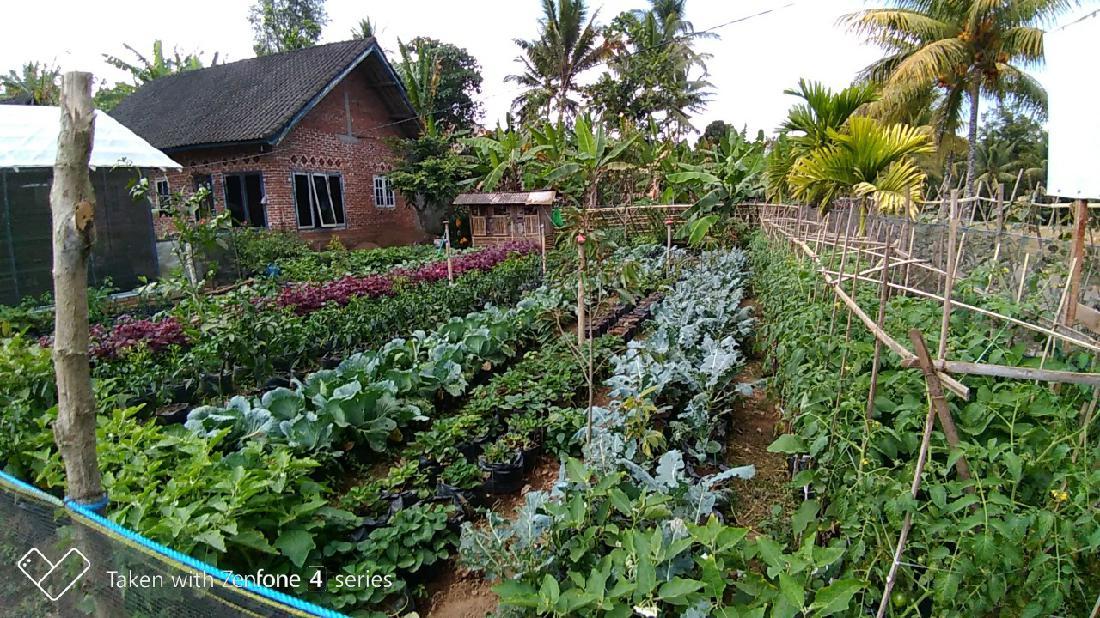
column 648, row 611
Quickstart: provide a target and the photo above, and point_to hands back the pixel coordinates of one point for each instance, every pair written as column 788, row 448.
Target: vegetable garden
column 343, row 453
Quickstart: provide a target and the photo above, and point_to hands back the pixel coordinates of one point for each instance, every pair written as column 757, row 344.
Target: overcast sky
column 752, row 63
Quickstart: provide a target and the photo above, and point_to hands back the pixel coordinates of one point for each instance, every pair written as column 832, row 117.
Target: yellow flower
column 1059, row 495
column 864, row 461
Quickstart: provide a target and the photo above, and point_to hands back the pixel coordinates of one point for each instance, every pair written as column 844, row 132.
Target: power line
column 680, row 39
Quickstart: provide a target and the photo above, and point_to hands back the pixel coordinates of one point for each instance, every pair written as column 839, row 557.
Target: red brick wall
column 319, row 143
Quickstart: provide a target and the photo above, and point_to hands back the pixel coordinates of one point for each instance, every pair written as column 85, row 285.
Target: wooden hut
column 501, row 217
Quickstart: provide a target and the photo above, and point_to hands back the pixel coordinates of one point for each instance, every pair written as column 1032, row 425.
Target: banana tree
column 502, row 160
column 729, row 173
column 421, row 79
column 593, row 154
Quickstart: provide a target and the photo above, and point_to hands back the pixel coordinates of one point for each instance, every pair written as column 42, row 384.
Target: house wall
column 320, row 142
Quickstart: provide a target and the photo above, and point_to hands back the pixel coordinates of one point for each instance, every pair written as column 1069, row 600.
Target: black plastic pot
column 277, row 382
column 469, row 450
column 531, row 457
column 182, row 393
column 173, row 414
column 503, row 478
column 430, row 468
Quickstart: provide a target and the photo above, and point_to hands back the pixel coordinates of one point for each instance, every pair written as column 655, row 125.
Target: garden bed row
column 635, row 528
column 236, row 343
column 1021, row 538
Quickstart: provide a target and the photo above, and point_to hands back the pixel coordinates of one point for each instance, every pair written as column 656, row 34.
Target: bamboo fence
column 899, row 256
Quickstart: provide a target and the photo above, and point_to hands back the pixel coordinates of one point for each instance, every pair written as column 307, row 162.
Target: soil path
column 755, row 423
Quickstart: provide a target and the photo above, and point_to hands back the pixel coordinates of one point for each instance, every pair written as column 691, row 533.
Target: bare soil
column 462, row 594
column 756, row 422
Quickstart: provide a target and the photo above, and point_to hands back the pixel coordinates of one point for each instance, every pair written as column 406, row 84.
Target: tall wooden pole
column 949, row 278
column 72, row 204
column 580, row 289
column 1077, row 260
column 447, row 249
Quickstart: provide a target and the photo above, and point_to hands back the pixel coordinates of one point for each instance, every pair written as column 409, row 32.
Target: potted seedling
column 504, row 467
column 523, row 443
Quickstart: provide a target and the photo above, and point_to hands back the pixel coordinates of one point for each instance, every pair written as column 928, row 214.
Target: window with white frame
column 383, row 193
column 319, row 200
column 163, row 193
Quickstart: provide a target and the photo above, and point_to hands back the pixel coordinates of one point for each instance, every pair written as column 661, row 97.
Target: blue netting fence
column 60, row 559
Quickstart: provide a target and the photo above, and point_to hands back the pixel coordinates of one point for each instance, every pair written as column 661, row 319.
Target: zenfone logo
column 54, row 578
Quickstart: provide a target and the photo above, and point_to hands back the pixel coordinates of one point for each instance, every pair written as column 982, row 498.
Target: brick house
column 290, row 141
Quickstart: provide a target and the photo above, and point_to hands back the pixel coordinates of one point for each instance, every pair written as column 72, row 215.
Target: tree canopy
column 286, row 25
column 459, row 80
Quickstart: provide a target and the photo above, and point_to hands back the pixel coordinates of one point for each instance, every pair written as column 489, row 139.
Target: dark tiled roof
column 254, row 100
column 19, row 99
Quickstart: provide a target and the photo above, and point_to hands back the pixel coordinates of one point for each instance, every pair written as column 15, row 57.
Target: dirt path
column 755, row 423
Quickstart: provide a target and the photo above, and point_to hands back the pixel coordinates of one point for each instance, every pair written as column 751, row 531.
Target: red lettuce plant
column 129, row 333
column 308, row 297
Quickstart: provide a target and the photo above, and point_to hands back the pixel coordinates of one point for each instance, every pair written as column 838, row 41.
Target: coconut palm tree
column 964, row 49
column 568, row 44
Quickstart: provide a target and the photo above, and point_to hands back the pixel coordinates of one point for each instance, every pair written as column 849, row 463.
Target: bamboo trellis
column 892, row 263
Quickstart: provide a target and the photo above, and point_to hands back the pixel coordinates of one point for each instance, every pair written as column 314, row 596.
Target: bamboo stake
column 1061, row 304
column 912, row 238
column 949, row 280
column 993, row 314
column 447, row 249
column 1015, row 373
column 843, row 265
column 72, row 207
column 952, row 384
column 884, row 295
column 935, row 394
column 1023, row 278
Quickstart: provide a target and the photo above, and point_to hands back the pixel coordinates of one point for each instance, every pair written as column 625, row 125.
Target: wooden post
column 949, row 278
column 542, row 246
column 883, row 296
column 447, row 250
column 580, row 289
column 72, row 205
column 1001, row 210
column 668, row 243
column 922, row 458
column 1077, row 261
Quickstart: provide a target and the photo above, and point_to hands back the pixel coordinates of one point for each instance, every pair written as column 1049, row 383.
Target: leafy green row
column 534, row 393
column 372, row 393
column 1022, row 538
column 615, row 538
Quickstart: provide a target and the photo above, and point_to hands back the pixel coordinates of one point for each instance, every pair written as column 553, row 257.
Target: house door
column 244, row 198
